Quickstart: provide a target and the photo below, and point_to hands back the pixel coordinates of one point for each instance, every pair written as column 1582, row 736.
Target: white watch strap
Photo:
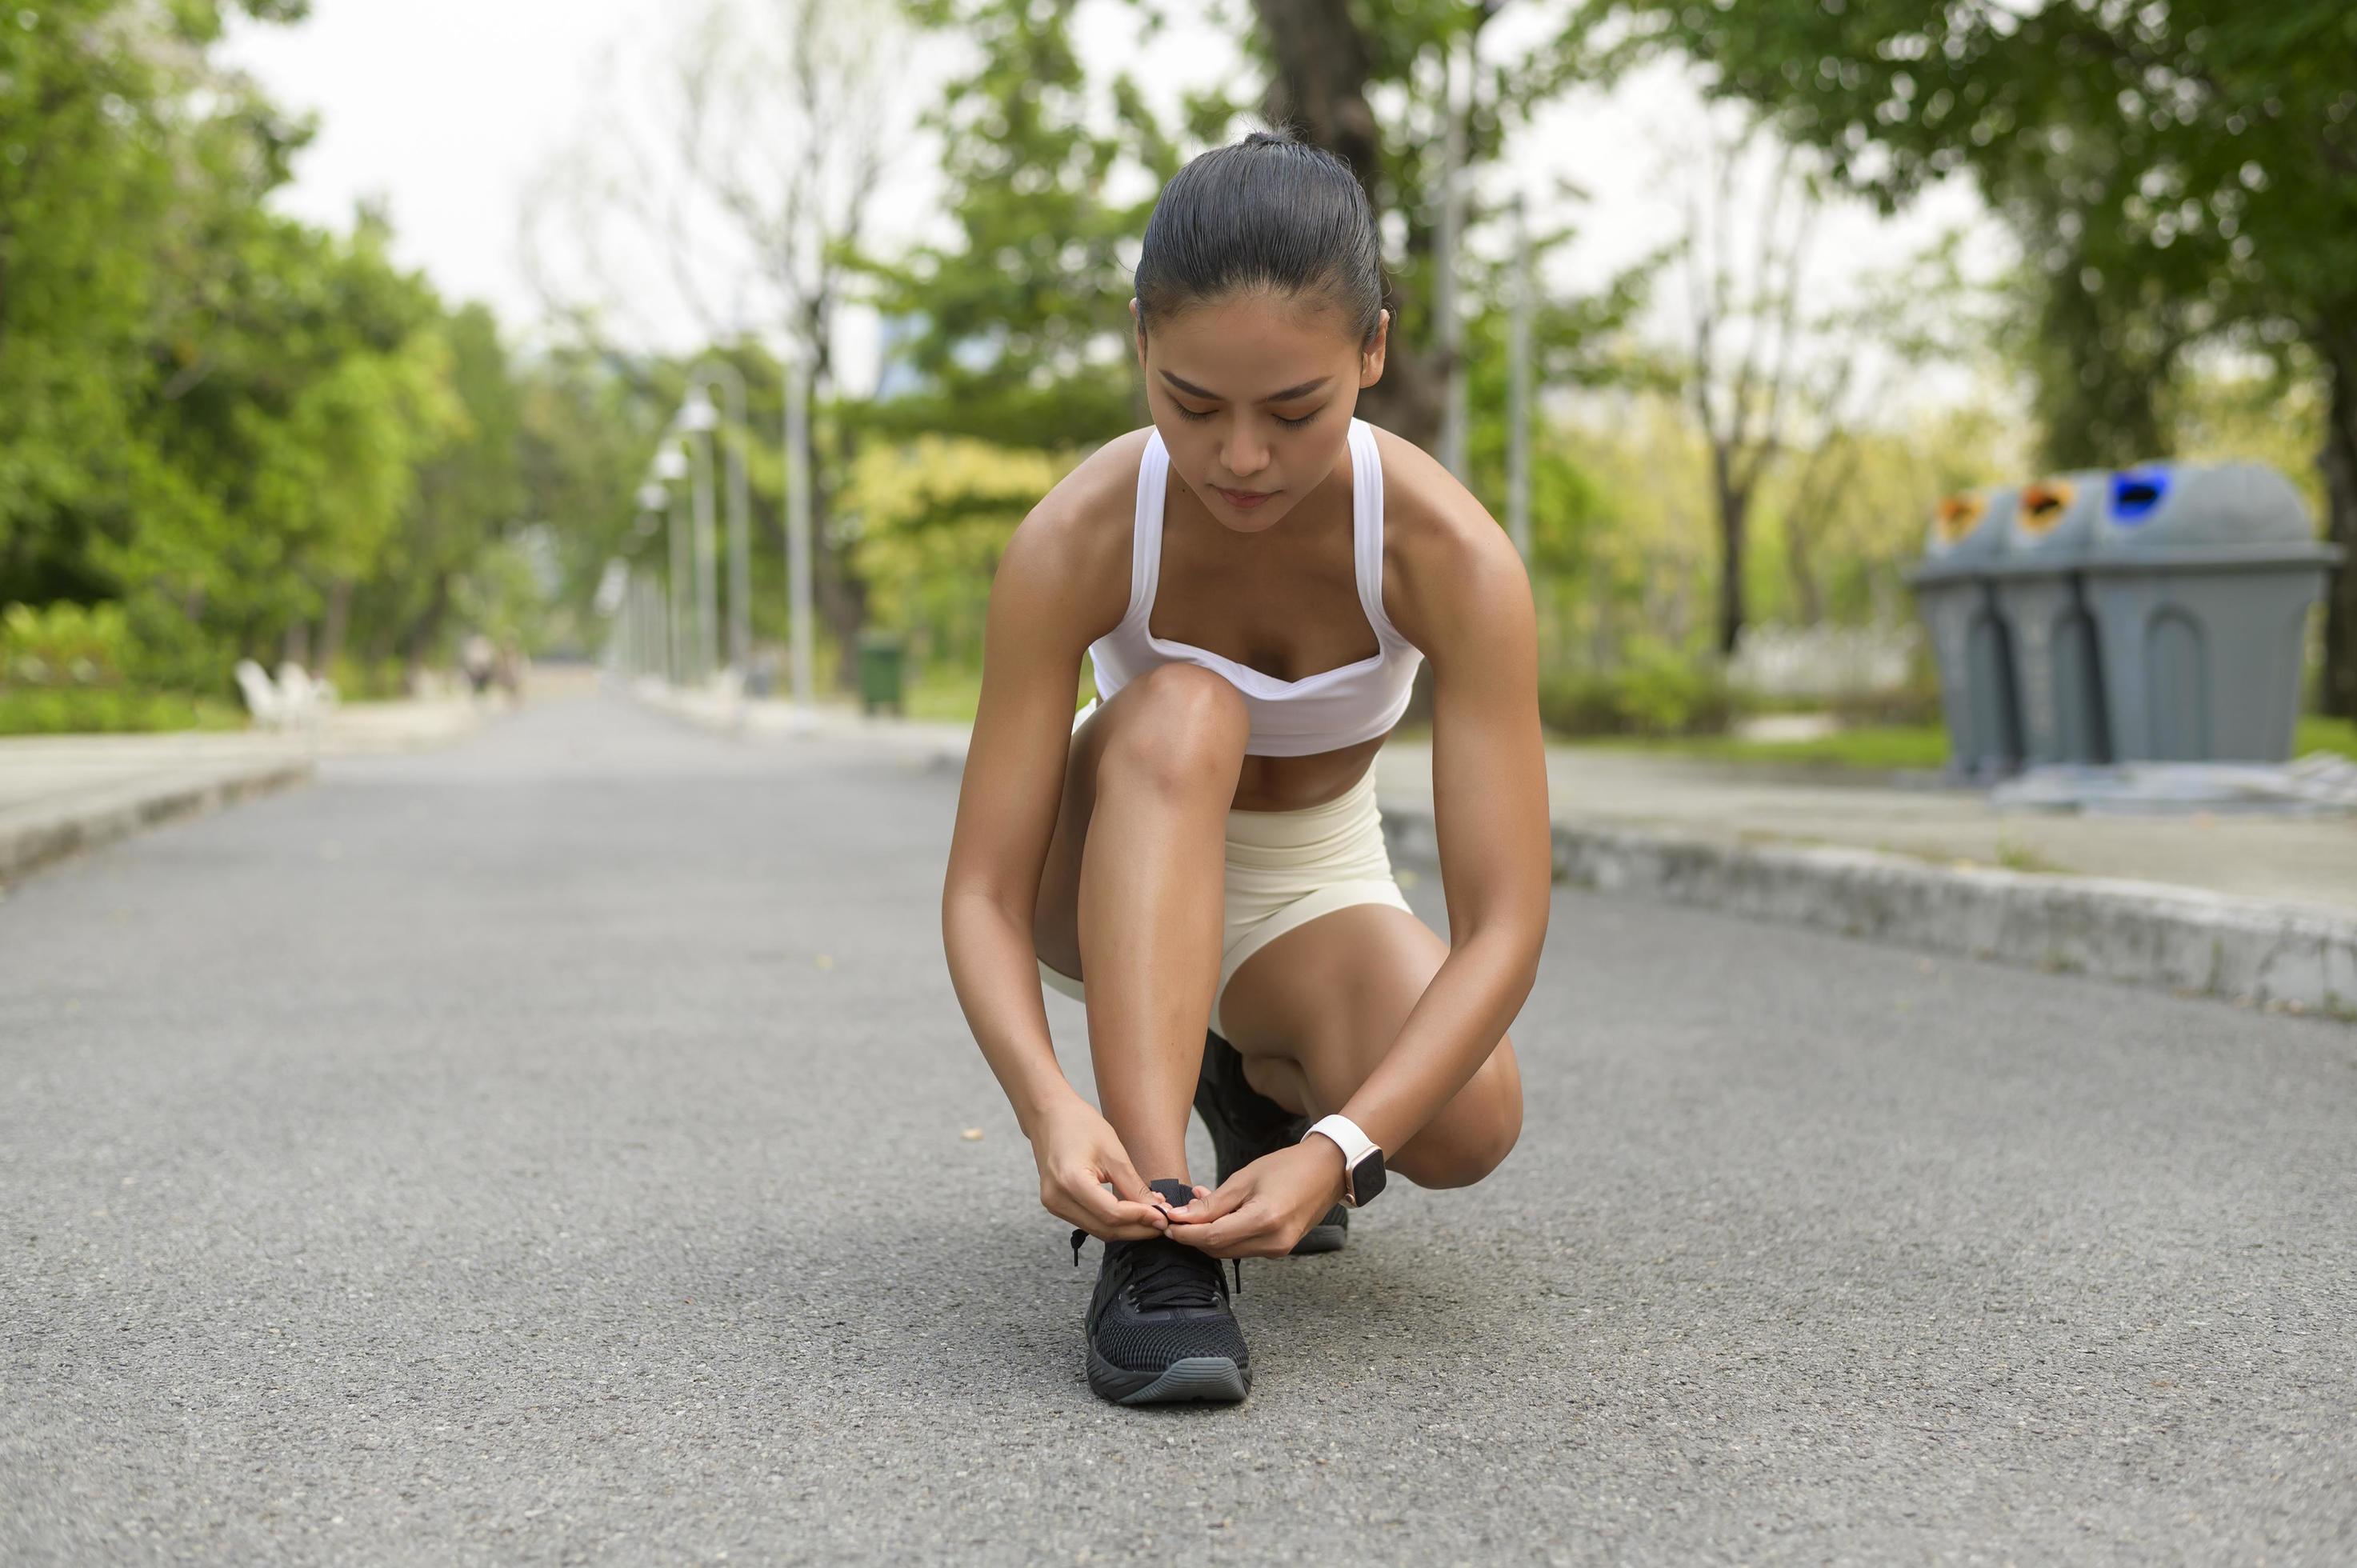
column 1355, row 1146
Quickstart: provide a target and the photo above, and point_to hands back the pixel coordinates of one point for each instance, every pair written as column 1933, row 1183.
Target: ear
column 1137, row 319
column 1371, row 357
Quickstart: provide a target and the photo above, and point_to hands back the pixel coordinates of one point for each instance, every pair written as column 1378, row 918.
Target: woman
column 1257, row 577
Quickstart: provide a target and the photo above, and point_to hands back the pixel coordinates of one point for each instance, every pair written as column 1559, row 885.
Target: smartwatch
column 1363, row 1163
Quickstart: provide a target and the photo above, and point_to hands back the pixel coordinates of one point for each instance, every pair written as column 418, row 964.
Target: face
column 1253, row 393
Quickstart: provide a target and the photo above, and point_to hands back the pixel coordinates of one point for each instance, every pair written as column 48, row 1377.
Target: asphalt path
column 554, row 1149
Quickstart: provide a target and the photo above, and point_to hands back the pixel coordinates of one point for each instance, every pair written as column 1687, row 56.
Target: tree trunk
column 1734, row 523
column 1800, row 559
column 1320, row 89
column 425, row 629
column 2337, row 691
column 331, row 629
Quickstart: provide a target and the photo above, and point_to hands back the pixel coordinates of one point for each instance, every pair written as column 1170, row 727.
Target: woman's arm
column 1007, row 803
column 1474, row 621
column 1038, row 627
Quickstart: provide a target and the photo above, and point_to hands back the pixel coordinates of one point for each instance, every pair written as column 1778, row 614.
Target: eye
column 1305, row 419
column 1189, row 412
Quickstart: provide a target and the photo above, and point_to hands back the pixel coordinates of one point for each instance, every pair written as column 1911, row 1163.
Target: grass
column 955, row 695
column 1895, row 747
column 1884, row 748
column 2336, row 735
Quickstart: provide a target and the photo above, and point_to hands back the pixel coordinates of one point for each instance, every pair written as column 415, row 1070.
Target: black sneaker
column 1246, row 1124
column 1160, row 1330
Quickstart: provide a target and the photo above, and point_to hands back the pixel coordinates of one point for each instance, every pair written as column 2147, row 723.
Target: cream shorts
column 1284, row 870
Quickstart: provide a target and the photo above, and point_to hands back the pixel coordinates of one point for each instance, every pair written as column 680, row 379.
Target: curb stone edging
column 120, row 813
column 2142, row 933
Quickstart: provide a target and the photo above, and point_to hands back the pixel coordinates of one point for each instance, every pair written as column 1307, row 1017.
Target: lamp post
column 697, row 414
column 670, row 465
column 798, row 531
column 1518, row 411
column 644, row 612
column 695, row 419
column 1456, row 70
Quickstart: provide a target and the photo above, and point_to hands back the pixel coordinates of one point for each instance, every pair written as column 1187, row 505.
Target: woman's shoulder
column 1105, row 481
column 1077, row 537
column 1443, row 553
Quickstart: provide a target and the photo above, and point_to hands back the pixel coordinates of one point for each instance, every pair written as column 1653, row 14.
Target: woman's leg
column 1130, row 895
column 1313, row 1011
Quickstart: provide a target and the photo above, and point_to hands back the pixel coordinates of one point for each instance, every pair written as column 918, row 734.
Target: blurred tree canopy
column 2180, row 171
column 251, row 436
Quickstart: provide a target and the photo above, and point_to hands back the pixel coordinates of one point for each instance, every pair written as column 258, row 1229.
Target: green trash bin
column 2038, row 593
column 2199, row 577
column 882, row 663
column 1969, row 639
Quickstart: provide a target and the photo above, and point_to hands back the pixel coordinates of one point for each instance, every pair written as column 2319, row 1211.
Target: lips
column 1242, row 501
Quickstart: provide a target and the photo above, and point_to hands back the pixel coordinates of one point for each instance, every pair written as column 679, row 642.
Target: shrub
column 1653, row 691
column 64, row 644
column 78, row 710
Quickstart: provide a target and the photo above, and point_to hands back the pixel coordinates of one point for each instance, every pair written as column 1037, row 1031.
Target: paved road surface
column 549, row 1150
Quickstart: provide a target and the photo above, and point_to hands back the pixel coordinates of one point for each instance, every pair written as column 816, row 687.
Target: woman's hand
column 1079, row 1152
column 1263, row 1210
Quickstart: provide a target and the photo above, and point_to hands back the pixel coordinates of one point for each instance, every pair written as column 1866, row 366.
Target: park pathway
column 558, row 1149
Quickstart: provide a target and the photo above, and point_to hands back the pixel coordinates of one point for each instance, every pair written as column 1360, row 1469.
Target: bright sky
column 450, row 110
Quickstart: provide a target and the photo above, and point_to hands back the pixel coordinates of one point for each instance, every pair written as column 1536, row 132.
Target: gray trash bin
column 1952, row 587
column 2039, row 594
column 2199, row 578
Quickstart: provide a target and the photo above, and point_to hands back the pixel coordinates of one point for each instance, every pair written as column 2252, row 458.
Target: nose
column 1245, row 452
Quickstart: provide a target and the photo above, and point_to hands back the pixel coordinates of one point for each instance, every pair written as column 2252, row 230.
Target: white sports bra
column 1324, row 712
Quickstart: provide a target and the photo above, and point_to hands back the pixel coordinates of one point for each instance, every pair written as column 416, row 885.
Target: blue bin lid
column 2222, row 507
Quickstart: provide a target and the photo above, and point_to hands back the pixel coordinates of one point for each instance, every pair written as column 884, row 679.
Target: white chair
column 306, row 701
column 263, row 700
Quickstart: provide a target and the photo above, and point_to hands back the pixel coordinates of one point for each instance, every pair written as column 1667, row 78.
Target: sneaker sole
column 1322, row 1239
column 1211, row 1379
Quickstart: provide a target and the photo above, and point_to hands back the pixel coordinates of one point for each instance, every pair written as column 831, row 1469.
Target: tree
column 749, row 191
column 1740, row 390
column 2207, row 151
column 1016, row 331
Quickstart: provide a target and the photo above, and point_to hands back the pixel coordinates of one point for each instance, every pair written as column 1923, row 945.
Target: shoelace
column 1170, row 1275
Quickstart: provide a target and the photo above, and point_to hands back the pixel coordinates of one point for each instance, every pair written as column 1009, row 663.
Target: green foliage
column 236, row 434
column 64, row 644
column 1652, row 691
column 78, row 710
column 2180, row 171
column 932, row 517
column 1020, row 328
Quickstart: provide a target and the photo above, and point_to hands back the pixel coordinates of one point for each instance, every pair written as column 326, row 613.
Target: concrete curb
column 2142, row 933
column 117, row 811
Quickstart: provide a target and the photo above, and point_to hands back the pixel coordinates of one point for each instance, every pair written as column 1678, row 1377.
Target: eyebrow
column 1287, row 395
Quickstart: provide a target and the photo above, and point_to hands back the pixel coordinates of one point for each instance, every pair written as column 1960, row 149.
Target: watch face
column 1367, row 1179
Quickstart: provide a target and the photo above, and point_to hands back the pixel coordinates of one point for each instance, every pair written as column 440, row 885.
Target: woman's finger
column 1205, row 1207
column 1107, row 1214
column 1239, row 1235
column 1125, row 1180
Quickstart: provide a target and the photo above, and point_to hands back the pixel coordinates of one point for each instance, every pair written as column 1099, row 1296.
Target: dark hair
column 1271, row 211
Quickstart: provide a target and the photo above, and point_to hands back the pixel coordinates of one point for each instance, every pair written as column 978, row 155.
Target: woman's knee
column 1475, row 1134
column 1185, row 727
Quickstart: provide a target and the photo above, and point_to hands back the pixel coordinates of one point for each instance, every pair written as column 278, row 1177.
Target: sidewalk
column 2256, row 910
column 67, row 792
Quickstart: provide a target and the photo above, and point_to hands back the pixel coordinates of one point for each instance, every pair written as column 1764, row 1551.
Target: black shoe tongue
column 1177, row 1193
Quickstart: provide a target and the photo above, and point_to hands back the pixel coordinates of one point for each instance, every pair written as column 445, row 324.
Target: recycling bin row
column 2152, row 614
